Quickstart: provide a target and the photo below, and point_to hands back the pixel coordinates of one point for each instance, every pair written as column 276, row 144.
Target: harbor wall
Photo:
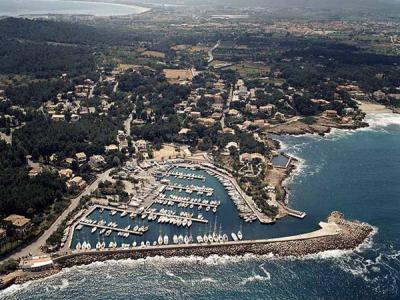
column 350, row 236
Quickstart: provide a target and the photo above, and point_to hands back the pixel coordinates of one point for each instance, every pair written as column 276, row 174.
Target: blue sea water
column 353, row 172
column 41, row 7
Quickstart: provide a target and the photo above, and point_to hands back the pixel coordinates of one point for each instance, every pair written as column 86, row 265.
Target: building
column 184, row 131
column 141, row 145
column 97, row 161
column 330, row 113
column 36, row 263
column 76, row 182
column 206, row 121
column 111, row 148
column 80, row 157
column 58, row 118
column 65, row 173
column 231, row 145
column 21, row 223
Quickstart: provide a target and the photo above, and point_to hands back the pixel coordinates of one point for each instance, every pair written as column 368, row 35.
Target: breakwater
column 347, row 235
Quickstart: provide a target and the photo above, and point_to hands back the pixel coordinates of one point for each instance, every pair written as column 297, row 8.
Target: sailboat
column 175, row 239
column 239, row 234
column 78, row 246
column 166, row 240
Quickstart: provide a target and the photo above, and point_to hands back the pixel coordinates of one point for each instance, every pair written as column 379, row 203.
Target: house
column 80, row 157
column 65, row 173
column 231, row 144
column 184, row 131
column 228, row 130
column 206, row 121
column 141, row 145
column 111, row 148
column 195, row 114
column 269, row 109
column 330, row 113
column 58, row 118
column 35, row 171
column 76, row 182
column 21, row 223
column 96, row 161
column 252, row 109
column 280, row 117
column 216, row 116
column 233, row 112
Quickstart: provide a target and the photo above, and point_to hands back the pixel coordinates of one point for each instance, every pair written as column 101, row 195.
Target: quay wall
column 350, row 236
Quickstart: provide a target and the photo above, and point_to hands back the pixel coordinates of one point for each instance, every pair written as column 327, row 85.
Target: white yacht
column 94, row 229
column 239, row 235
column 199, row 239
column 78, row 246
column 225, row 238
column 186, row 239
column 160, row 240
column 166, row 240
column 175, row 239
column 205, row 238
column 180, row 239
column 234, row 236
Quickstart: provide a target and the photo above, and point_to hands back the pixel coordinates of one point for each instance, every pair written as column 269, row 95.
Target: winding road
column 35, row 247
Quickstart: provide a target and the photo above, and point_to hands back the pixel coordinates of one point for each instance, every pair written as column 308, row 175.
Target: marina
column 181, row 211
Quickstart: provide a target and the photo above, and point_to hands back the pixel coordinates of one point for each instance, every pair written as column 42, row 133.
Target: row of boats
column 111, row 225
column 187, row 202
column 189, row 176
column 240, row 203
column 164, row 240
column 191, row 188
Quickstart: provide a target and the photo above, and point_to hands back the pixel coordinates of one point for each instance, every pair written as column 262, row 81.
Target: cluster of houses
column 74, row 103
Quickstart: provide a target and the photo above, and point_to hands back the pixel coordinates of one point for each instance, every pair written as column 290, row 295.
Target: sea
column 15, row 8
column 355, row 172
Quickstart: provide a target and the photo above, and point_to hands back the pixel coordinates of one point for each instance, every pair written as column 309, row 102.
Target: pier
column 186, row 175
column 161, row 200
column 204, row 221
column 191, row 188
column 111, row 228
column 295, row 213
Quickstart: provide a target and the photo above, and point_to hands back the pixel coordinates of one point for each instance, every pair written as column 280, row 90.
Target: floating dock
column 111, row 228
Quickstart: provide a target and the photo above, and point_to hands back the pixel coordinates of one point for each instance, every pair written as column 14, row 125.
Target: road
column 34, row 247
column 210, row 52
column 228, row 104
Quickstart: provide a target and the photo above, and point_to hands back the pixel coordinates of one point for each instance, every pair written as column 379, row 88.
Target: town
column 170, row 123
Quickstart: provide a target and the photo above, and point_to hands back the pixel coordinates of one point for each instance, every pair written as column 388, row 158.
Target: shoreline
column 337, row 234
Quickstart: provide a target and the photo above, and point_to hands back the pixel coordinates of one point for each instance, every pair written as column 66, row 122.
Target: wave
column 254, row 278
